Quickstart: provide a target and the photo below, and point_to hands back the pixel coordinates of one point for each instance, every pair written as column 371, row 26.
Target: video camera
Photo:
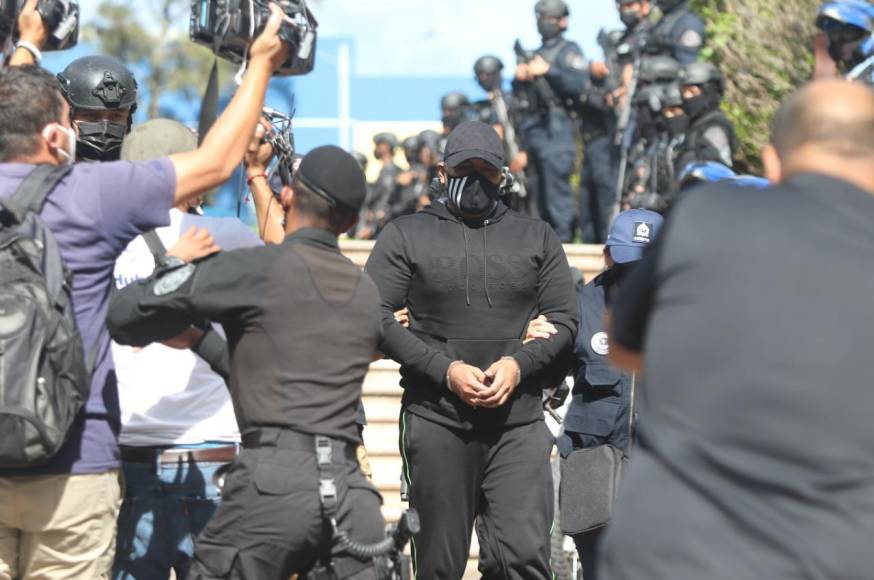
column 61, row 19
column 229, row 27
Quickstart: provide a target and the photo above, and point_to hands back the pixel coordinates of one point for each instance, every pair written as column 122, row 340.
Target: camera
column 228, row 27
column 60, row 17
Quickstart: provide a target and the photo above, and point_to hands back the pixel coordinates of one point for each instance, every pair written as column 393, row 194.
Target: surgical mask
column 630, row 18
column 677, row 125
column 69, row 153
column 548, row 28
column 100, row 141
column 473, row 194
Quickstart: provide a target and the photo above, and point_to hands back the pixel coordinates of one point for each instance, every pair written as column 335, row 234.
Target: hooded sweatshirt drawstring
column 486, row 262
column 467, row 263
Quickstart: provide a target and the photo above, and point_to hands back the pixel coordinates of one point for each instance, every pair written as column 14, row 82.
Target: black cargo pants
column 270, row 524
column 503, row 477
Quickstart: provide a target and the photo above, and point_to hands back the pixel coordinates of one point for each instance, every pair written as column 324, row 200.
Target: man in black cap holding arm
column 303, row 324
column 474, row 444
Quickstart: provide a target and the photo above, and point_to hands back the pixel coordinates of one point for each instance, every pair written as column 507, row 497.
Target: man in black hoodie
column 473, row 273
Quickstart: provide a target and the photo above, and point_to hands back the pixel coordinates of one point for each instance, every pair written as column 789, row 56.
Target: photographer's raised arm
column 32, row 33
column 224, row 146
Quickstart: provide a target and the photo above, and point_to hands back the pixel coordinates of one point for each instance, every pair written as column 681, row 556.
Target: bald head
column 826, row 127
column 835, row 117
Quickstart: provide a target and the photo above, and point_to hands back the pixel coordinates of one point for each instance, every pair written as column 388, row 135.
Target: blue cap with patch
column 630, row 234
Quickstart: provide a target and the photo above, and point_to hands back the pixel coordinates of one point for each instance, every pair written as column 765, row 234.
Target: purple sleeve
column 135, row 198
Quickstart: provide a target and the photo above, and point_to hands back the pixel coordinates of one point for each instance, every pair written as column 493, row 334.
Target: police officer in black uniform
column 302, row 323
column 102, row 94
column 679, row 32
column 455, row 109
column 710, row 136
column 376, row 208
column 600, row 409
column 408, row 182
column 549, row 129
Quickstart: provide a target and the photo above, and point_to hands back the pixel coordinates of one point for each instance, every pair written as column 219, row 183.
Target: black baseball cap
column 334, row 175
column 474, row 140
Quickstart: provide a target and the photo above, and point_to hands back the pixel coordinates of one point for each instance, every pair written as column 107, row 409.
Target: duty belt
column 324, row 448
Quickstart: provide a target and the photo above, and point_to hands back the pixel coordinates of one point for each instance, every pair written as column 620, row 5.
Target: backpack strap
column 156, row 246
column 31, row 194
column 212, row 348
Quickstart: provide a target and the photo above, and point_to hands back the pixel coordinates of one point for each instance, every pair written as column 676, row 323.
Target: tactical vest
column 695, row 143
column 661, row 37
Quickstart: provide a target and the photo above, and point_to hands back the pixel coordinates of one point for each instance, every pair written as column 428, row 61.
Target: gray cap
column 157, row 138
column 474, row 140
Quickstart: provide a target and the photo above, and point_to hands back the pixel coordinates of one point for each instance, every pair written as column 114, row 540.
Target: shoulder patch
column 691, row 39
column 173, row 280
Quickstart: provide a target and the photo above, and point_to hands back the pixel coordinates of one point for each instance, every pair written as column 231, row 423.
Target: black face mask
column 696, row 106
column 677, row 125
column 100, row 141
column 474, row 195
column 548, row 29
column 647, row 123
column 630, row 18
column 489, row 82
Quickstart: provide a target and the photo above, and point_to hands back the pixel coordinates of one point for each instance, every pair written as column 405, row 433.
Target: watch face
column 173, row 280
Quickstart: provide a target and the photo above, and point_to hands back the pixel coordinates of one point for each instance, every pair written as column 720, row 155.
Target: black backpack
column 44, row 379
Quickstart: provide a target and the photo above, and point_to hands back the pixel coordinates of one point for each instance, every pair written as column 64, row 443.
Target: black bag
column 44, row 379
column 590, row 481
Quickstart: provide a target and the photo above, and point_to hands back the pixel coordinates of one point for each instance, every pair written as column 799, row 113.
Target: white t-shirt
column 170, row 396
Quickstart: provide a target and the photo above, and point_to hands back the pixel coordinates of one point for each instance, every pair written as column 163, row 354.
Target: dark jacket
column 476, row 309
column 302, row 323
column 599, row 409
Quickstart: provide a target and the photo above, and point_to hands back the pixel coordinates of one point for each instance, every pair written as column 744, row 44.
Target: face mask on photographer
column 100, row 141
column 68, row 153
column 473, row 194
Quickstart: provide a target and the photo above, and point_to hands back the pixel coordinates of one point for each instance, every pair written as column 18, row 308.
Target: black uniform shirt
column 757, row 445
column 302, row 323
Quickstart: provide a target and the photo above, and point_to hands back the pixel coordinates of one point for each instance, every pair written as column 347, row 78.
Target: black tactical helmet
column 453, row 101
column 411, row 148
column 429, row 139
column 487, row 70
column 671, row 95
column 387, row 138
column 554, row 8
column 701, row 73
column 656, row 69
column 99, row 83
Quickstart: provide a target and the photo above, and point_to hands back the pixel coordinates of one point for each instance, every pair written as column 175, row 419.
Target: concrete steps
column 382, row 400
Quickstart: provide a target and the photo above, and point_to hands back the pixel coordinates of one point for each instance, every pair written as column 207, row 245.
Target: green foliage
column 154, row 36
column 765, row 50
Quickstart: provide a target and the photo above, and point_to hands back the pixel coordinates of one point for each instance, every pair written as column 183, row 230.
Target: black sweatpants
column 270, row 525
column 503, row 477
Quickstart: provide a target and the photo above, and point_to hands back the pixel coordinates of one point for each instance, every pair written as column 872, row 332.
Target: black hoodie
column 464, row 307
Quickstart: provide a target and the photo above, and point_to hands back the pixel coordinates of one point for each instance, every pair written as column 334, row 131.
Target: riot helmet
column 549, row 15
column 97, row 84
column 700, row 172
column 361, row 158
column 456, row 110
column 386, row 139
column 658, row 69
column 488, row 72
column 411, row 149
column 669, row 5
column 849, row 26
column 429, row 147
column 703, row 86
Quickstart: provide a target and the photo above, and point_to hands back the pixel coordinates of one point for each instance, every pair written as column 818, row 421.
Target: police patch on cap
column 642, row 233
column 600, row 344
